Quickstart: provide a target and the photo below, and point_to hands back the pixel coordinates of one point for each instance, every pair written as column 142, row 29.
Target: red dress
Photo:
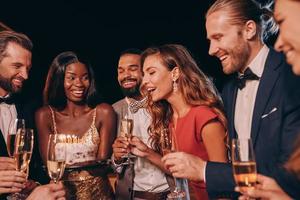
column 189, row 140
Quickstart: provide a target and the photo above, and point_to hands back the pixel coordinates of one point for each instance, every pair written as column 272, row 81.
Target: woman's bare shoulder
column 43, row 112
column 104, row 108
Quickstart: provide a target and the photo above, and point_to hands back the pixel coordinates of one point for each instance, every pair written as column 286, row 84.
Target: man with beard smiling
column 258, row 103
column 15, row 63
column 142, row 180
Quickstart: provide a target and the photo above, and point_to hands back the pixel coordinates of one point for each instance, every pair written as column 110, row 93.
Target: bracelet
column 117, row 167
column 115, row 162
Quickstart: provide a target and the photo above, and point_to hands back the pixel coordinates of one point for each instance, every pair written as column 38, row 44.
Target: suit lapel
column 267, row 82
column 20, row 113
column 3, row 150
column 231, row 109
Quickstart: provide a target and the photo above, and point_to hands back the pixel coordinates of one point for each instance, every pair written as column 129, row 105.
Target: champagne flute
column 168, row 145
column 23, row 147
column 126, row 127
column 165, row 142
column 56, row 156
column 16, row 126
column 244, row 165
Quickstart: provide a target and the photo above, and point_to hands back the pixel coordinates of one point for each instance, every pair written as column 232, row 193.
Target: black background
column 102, row 29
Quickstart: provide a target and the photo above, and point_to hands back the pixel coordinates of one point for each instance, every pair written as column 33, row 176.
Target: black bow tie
column 7, row 100
column 248, row 75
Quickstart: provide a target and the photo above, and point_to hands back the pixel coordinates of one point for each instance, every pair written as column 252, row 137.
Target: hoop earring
column 175, row 86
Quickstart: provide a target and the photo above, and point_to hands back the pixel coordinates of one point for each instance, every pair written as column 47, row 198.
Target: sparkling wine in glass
column 165, row 142
column 244, row 165
column 56, row 156
column 17, row 126
column 23, row 147
column 126, row 127
column 168, row 145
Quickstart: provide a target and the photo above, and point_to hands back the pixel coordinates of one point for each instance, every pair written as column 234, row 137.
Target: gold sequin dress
column 84, row 182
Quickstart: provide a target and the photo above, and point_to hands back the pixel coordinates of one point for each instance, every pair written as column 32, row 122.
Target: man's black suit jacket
column 273, row 135
column 25, row 110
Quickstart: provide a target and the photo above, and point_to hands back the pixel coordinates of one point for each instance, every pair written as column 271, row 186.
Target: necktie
column 135, row 105
column 248, row 75
column 7, row 100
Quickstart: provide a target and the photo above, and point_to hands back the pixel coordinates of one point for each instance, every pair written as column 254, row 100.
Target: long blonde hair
column 196, row 88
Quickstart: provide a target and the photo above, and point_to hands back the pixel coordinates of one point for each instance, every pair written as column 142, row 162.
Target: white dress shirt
column 245, row 99
column 148, row 177
column 8, row 115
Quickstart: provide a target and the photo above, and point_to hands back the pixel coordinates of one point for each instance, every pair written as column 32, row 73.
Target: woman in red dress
column 184, row 99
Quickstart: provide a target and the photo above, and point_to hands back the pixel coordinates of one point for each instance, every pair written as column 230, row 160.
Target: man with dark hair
column 15, row 63
column 142, row 180
column 130, row 77
column 258, row 103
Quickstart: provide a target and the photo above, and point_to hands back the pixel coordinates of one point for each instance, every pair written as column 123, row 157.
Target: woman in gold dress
column 70, row 107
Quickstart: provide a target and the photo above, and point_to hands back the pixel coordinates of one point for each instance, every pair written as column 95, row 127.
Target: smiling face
column 227, row 42
column 76, row 82
column 130, row 74
column 14, row 68
column 287, row 14
column 157, row 78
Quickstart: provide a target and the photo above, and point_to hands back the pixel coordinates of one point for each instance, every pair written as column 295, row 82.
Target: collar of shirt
column 7, row 99
column 6, row 96
column 257, row 65
column 8, row 116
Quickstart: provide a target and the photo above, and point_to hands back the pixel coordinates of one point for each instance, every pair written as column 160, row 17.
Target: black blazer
column 273, row 132
column 3, row 150
column 23, row 113
column 26, row 110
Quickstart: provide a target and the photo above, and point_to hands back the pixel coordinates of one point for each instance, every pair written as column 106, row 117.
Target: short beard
column 239, row 56
column 7, row 85
column 131, row 92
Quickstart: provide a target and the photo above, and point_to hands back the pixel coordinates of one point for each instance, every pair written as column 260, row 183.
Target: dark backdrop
column 102, row 29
